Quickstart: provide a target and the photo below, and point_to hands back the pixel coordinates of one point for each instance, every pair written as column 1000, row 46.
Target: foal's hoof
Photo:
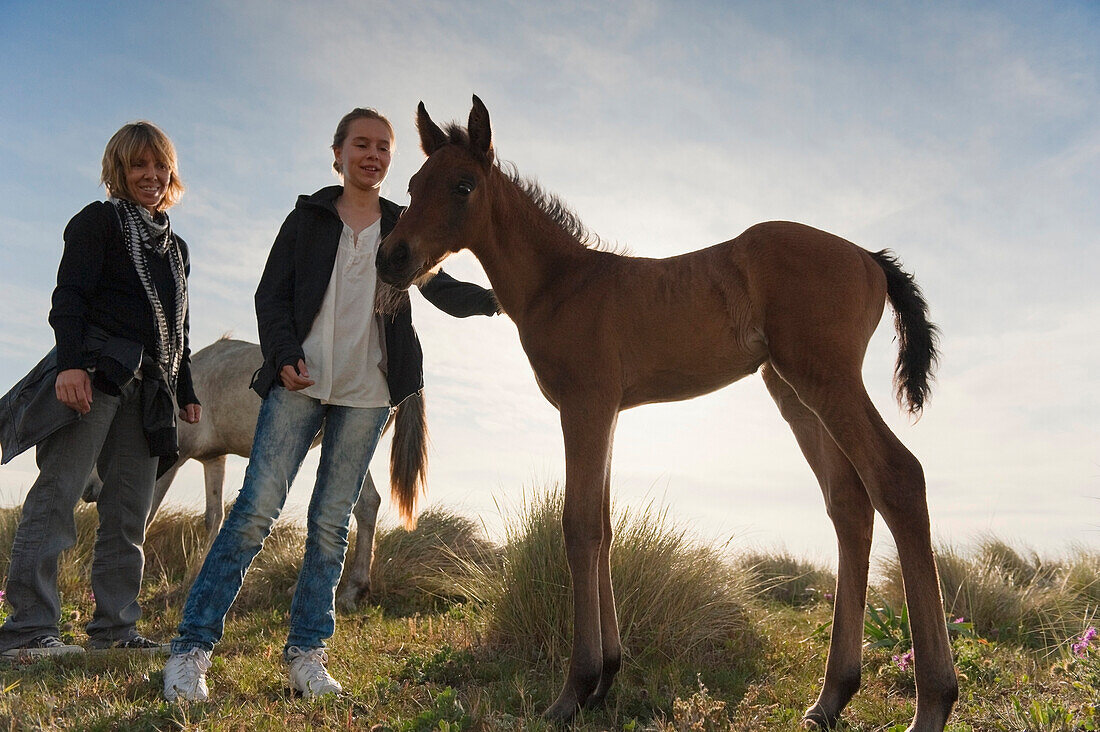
column 816, row 719
column 596, row 700
column 562, row 711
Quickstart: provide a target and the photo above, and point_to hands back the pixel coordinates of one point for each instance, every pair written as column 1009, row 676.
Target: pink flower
column 1081, row 647
column 905, row 660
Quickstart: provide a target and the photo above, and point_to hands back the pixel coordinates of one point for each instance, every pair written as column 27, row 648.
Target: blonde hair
column 345, row 122
column 127, row 145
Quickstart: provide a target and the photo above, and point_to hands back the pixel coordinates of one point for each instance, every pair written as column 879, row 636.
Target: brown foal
column 606, row 332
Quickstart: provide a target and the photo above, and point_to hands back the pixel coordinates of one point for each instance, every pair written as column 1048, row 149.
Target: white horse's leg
column 213, row 471
column 161, row 487
column 93, row 487
column 357, row 572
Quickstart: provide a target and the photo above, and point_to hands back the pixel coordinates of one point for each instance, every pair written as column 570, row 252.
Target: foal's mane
column 551, row 205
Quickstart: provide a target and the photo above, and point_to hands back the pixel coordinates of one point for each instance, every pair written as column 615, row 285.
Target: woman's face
column 147, row 180
column 364, row 158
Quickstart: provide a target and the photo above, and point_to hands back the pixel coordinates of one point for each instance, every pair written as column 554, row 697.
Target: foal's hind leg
column 853, row 519
column 895, row 484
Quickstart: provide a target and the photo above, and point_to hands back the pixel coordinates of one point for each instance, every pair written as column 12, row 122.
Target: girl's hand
column 74, row 389
column 295, row 379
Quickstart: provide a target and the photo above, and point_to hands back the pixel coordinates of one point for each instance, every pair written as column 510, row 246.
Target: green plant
column 1044, row 716
column 446, row 714
column 886, row 628
column 446, row 666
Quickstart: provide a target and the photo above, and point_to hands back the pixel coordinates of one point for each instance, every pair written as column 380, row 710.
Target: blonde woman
column 107, row 394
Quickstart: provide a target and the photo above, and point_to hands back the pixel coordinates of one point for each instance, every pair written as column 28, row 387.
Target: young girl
column 339, row 351
column 105, row 394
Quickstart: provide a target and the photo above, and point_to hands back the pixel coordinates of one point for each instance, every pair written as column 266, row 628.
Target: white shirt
column 343, row 350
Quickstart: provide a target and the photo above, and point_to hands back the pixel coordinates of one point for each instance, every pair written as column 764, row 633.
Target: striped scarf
column 147, row 235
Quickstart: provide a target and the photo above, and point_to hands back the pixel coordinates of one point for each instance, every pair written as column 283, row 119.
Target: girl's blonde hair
column 345, row 122
column 126, row 146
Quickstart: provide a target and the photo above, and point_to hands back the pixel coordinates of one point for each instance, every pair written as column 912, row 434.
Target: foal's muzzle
column 393, row 267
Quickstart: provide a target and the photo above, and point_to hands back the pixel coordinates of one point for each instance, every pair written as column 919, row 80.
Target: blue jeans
column 285, row 429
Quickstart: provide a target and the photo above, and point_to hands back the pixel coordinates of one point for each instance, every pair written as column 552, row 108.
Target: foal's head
column 448, row 206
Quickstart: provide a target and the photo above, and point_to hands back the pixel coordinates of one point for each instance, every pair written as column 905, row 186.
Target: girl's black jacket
column 293, row 286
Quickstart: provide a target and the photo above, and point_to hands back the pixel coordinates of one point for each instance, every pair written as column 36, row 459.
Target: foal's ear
column 431, row 137
column 481, row 136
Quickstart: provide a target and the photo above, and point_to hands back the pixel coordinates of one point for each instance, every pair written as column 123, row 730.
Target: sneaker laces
column 312, row 666
column 137, row 641
column 193, row 667
column 46, row 641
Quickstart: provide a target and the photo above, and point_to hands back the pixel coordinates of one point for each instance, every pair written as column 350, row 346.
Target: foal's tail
column 409, row 457
column 918, row 338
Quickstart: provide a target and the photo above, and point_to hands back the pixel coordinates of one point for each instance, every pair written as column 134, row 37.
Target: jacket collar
column 325, row 199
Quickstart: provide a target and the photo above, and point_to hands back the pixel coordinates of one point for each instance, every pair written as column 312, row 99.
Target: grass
column 464, row 634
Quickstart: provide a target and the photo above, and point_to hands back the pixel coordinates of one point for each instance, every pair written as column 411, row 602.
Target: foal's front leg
column 609, row 621
column 587, row 435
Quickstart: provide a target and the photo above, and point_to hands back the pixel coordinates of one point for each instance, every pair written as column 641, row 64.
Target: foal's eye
column 464, row 188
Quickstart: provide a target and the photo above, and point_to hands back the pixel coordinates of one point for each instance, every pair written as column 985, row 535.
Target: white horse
column 221, row 373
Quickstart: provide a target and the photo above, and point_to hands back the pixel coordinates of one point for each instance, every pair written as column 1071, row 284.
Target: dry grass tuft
column 175, row 544
column 678, row 602
column 424, row 569
column 1012, row 596
column 786, row 579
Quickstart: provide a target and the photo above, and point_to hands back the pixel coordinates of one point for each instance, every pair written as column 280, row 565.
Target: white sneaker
column 185, row 676
column 308, row 673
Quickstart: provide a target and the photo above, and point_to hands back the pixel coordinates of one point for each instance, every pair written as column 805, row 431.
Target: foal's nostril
column 392, row 267
column 399, row 257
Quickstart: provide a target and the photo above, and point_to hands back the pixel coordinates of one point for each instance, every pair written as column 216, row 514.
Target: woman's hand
column 74, row 389
column 191, row 413
column 295, row 378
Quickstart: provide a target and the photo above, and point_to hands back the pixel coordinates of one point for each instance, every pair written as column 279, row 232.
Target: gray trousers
column 111, row 433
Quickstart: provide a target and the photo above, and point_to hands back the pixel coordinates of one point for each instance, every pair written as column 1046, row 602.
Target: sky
column 963, row 136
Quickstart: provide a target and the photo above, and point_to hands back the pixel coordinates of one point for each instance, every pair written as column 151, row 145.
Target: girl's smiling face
column 364, row 158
